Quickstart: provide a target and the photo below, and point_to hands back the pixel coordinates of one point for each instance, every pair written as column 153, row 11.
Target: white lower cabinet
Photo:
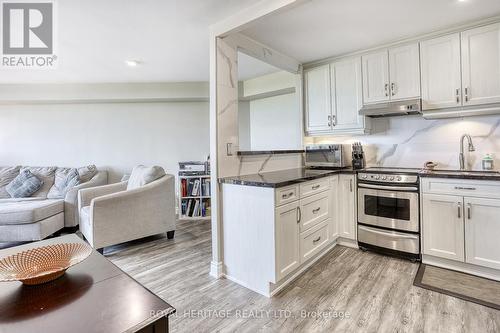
column 482, row 232
column 287, row 239
column 461, row 225
column 443, row 227
column 271, row 235
column 347, row 207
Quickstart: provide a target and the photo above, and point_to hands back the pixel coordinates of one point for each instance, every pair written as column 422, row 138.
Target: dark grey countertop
column 457, row 174
column 283, row 177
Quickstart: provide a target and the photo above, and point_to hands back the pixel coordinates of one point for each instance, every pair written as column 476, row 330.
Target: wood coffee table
column 93, row 296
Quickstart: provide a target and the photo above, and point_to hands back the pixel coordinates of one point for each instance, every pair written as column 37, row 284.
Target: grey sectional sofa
column 47, row 210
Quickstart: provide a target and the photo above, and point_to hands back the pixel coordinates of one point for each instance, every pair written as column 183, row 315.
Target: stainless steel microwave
column 331, row 156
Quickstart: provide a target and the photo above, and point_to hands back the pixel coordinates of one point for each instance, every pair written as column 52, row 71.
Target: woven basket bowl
column 42, row 264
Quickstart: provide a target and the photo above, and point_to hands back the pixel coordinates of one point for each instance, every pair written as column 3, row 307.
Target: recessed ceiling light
column 462, row 0
column 133, row 63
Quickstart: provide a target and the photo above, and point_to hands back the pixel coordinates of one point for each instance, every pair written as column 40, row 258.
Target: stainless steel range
column 388, row 211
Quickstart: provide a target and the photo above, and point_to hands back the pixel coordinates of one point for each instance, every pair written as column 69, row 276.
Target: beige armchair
column 111, row 214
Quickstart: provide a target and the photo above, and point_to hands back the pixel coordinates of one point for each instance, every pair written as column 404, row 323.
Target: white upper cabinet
column 346, row 94
column 440, row 72
column 317, row 99
column 375, row 77
column 481, row 65
column 404, row 72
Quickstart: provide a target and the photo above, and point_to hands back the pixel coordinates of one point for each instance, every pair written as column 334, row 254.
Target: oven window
column 392, row 208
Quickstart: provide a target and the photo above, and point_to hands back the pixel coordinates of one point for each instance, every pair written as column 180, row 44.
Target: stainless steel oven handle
column 388, row 188
column 387, row 234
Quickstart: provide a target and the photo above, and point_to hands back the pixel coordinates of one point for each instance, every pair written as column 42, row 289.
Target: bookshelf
column 194, row 200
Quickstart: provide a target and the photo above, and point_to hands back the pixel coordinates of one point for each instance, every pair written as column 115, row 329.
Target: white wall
column 116, row 136
column 275, row 123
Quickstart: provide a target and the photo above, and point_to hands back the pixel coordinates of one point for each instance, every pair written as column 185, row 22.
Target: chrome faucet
column 461, row 157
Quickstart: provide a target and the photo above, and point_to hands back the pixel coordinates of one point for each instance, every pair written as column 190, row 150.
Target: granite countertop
column 283, row 177
column 457, row 174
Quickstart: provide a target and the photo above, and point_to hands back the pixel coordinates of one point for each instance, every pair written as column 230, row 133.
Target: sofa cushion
column 65, row 180
column 22, row 212
column 24, row 185
column 7, row 174
column 47, row 175
column 86, row 173
column 142, row 175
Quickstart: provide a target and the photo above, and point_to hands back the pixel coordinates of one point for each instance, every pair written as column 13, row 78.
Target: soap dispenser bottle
column 488, row 162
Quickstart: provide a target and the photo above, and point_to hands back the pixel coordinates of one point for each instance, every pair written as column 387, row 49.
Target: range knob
column 364, row 176
column 377, row 177
column 384, row 177
column 391, row 178
column 398, row 178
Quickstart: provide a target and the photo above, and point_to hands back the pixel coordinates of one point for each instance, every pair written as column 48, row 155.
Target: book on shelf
column 184, row 187
column 205, row 188
column 196, row 188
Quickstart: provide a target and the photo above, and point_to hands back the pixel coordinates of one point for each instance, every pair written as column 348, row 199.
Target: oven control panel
column 388, row 178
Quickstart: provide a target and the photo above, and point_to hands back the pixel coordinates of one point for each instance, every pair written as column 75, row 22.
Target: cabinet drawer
column 470, row 188
column 313, row 241
column 313, row 187
column 314, row 209
column 286, row 194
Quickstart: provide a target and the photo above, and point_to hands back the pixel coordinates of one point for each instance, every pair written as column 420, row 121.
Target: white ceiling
column 94, row 38
column 320, row 29
column 250, row 67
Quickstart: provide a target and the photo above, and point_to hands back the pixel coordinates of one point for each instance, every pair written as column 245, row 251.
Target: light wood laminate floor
column 373, row 292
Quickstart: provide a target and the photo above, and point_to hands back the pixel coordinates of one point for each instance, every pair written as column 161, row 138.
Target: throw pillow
column 142, row 175
column 46, row 175
column 65, row 180
column 7, row 174
column 87, row 173
column 24, row 185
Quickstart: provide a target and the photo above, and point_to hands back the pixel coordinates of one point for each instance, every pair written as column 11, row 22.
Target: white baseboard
column 348, row 242
column 216, row 269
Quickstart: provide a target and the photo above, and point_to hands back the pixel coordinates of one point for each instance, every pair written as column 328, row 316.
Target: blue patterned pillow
column 24, row 185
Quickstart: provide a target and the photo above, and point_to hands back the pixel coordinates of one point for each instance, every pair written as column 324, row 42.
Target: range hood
column 401, row 108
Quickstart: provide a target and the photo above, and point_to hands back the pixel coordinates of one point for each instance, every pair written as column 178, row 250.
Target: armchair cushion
column 24, row 185
column 65, row 180
column 142, row 175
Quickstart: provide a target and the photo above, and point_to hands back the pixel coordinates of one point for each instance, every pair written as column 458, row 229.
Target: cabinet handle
column 299, row 215
column 286, row 195
column 315, row 187
column 459, row 209
column 315, row 211
column 350, row 185
column 467, row 90
column 457, row 95
column 334, row 120
column 469, row 211
column 393, row 89
column 465, row 188
column 386, row 89
column 329, row 121
column 317, row 239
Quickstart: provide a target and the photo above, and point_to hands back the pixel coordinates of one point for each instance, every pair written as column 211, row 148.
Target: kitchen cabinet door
column 404, row 72
column 482, row 232
column 443, row 226
column 347, row 95
column 375, row 77
column 317, row 99
column 334, row 195
column 440, row 72
column 481, row 65
column 347, row 209
column 287, row 239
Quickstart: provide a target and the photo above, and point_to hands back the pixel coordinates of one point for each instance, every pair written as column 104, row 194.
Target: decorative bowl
column 42, row 264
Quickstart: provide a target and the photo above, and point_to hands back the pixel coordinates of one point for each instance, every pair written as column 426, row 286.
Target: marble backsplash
column 410, row 141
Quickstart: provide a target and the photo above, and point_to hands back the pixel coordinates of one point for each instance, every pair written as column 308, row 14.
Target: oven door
column 388, row 207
